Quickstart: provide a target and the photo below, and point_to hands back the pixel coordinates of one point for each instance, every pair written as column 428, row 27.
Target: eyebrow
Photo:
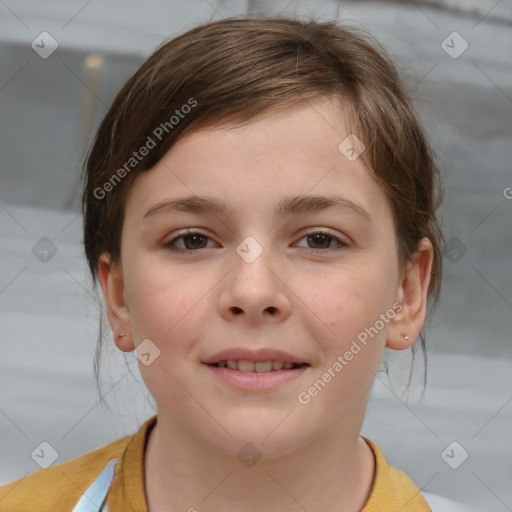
column 288, row 205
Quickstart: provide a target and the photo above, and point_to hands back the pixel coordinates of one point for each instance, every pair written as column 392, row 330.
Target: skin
column 309, row 297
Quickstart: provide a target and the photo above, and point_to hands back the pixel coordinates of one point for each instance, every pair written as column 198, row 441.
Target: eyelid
column 324, row 231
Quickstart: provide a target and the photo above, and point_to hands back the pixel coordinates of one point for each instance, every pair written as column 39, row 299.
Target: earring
column 405, row 337
column 122, row 334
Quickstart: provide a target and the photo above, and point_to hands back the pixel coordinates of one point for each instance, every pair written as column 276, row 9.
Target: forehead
column 292, row 152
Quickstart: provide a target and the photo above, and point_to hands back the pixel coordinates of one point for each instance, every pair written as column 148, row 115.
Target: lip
column 245, row 354
column 253, row 381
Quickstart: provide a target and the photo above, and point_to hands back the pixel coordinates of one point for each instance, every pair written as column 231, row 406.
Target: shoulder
column 392, row 489
column 58, row 488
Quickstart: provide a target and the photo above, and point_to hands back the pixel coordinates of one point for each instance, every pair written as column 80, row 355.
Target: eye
column 321, row 241
column 192, row 241
column 196, row 240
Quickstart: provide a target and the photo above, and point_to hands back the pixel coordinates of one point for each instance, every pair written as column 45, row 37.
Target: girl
column 260, row 211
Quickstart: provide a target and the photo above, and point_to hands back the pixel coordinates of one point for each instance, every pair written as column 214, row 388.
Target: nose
column 255, row 292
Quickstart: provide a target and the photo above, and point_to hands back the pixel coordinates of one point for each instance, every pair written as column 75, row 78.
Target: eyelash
column 170, row 245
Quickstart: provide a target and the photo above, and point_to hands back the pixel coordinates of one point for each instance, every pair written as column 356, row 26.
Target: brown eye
column 320, row 242
column 192, row 241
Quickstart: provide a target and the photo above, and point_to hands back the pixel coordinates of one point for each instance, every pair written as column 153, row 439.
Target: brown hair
column 239, row 69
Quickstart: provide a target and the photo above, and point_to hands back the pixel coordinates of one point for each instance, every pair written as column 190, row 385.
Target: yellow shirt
column 58, row 488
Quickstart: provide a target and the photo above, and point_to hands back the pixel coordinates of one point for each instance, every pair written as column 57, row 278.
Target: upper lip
column 261, row 355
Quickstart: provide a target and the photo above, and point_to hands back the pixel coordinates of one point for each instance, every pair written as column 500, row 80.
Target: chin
column 259, row 441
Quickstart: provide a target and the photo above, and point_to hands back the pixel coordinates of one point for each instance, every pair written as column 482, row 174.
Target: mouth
column 257, row 366
column 256, row 376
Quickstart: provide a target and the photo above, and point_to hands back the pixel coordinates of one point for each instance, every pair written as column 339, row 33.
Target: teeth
column 263, row 367
column 258, row 367
column 246, row 366
column 277, row 365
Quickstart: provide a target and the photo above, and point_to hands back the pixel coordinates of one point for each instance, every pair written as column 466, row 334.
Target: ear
column 412, row 294
column 112, row 284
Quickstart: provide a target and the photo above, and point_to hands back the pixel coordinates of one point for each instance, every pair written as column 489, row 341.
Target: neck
column 184, row 472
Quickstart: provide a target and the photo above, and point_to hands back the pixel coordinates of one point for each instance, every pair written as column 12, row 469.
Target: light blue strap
column 93, row 497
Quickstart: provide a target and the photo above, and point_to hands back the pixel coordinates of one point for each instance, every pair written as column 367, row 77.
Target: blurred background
column 61, row 65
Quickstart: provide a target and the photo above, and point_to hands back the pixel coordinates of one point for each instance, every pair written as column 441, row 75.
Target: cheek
column 350, row 299
column 157, row 295
column 170, row 305
column 355, row 308
column 164, row 307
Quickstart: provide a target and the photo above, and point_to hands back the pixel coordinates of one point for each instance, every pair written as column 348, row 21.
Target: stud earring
column 405, row 337
column 122, row 334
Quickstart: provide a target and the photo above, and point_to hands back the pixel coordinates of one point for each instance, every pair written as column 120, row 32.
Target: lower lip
column 253, row 381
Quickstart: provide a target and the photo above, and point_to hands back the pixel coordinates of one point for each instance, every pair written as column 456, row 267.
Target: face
column 304, row 277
